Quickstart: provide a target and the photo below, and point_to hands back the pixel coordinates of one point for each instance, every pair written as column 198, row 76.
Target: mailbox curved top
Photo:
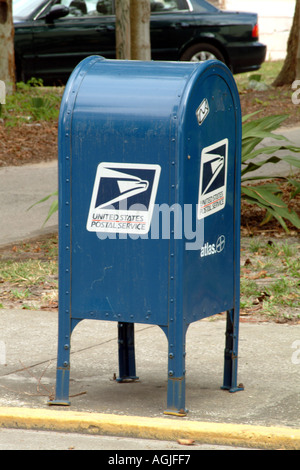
column 150, row 94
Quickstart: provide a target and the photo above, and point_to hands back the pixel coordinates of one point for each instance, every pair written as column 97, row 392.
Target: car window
column 169, row 5
column 25, row 8
column 106, row 7
column 79, row 8
column 205, row 6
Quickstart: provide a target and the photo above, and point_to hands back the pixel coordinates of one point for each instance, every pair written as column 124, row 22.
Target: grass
column 29, row 275
column 267, row 73
column 31, row 102
column 28, row 284
column 270, row 279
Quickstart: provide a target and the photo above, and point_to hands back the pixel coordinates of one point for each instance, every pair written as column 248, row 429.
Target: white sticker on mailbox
column 213, row 179
column 202, row 111
column 123, row 198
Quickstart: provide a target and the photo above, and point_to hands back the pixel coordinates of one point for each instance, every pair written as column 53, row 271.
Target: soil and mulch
column 37, row 142
column 28, row 143
column 271, row 102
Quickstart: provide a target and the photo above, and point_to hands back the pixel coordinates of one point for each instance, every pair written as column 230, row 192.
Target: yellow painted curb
column 151, row 428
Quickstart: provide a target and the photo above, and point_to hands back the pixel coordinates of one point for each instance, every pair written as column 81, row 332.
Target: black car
column 53, row 36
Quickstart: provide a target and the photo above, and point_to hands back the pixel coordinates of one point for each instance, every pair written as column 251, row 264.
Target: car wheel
column 202, row 52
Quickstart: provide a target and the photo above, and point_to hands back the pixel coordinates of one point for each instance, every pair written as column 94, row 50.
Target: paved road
column 19, row 439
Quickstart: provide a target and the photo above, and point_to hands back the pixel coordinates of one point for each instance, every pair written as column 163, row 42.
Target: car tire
column 201, row 52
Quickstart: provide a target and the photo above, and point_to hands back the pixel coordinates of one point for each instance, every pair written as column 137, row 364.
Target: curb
column 259, row 437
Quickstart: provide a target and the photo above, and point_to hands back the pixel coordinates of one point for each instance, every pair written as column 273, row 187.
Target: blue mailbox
column 149, row 207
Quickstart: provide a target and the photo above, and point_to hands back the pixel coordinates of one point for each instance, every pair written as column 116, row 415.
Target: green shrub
column 31, row 102
column 268, row 195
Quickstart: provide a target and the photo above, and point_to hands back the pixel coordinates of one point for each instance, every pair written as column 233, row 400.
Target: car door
column 61, row 44
column 24, row 52
column 171, row 28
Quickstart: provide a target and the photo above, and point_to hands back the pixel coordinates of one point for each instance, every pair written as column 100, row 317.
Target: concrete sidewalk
column 20, row 187
column 264, row 415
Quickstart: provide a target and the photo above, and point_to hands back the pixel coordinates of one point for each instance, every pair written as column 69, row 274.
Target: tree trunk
column 298, row 49
column 123, row 41
column 287, row 74
column 7, row 55
column 140, row 30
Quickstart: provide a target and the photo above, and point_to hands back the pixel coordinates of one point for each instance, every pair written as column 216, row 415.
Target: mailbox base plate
column 180, row 413
column 233, row 389
column 59, row 403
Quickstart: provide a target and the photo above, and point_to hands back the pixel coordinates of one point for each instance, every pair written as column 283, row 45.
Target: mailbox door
column 212, row 169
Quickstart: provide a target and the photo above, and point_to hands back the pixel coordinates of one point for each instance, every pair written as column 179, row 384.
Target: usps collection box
column 149, row 207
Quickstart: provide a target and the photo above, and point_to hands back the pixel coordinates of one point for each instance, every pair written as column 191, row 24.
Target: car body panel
column 168, row 33
column 50, row 49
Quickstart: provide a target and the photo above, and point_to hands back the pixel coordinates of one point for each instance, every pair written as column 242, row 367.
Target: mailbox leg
column 66, row 326
column 231, row 353
column 126, row 352
column 63, row 365
column 176, row 373
column 62, row 387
